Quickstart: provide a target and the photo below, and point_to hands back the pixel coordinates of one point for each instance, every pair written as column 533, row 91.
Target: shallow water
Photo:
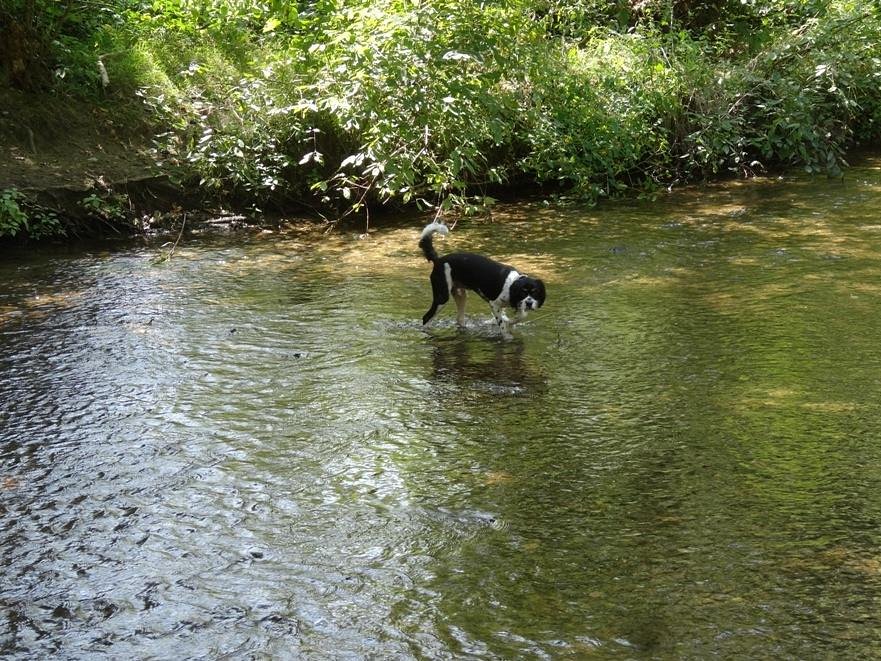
column 255, row 450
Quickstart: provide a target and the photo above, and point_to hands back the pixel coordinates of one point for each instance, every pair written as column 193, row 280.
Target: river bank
column 96, row 172
column 126, row 120
column 81, row 169
column 87, row 165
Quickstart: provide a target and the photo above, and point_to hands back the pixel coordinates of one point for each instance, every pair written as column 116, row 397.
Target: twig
column 179, row 235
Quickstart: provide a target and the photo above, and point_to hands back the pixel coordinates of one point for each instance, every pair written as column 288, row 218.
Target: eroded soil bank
column 94, row 167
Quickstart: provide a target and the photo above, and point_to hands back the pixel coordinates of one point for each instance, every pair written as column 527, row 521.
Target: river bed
column 254, row 449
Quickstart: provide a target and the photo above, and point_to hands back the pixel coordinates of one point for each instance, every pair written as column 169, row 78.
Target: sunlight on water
column 256, row 449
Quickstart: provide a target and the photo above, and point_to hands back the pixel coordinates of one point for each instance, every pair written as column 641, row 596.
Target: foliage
column 440, row 102
column 425, row 107
column 106, row 205
column 20, row 216
column 12, row 219
column 235, row 146
column 808, row 96
column 44, row 223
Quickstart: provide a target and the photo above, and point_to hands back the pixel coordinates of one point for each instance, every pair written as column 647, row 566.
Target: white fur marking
column 431, row 228
column 448, row 273
column 527, row 304
column 505, row 296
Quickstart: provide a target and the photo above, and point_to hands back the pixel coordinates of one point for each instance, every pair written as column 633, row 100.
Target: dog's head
column 527, row 294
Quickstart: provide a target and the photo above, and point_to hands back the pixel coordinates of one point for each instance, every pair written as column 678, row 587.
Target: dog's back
column 478, row 273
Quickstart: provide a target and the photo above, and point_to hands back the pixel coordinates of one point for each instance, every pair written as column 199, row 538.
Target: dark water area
column 255, row 450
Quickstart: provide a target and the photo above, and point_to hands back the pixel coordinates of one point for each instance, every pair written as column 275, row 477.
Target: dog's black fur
column 498, row 284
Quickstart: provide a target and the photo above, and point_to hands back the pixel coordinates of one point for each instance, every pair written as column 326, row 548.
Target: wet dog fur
column 500, row 285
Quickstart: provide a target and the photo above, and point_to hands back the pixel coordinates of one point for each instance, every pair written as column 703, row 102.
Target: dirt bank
column 51, row 142
column 59, row 151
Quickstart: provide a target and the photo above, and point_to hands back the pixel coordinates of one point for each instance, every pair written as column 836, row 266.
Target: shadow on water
column 256, row 450
column 468, row 367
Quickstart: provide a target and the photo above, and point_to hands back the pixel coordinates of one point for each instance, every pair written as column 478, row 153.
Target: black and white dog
column 498, row 284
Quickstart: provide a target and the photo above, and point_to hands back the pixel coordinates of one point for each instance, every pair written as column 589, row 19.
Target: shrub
column 12, row 219
column 21, row 216
column 394, row 101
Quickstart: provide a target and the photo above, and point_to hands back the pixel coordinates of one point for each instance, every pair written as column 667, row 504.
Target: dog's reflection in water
column 485, row 365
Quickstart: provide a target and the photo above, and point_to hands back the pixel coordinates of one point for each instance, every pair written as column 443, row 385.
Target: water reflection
column 484, row 365
column 255, row 449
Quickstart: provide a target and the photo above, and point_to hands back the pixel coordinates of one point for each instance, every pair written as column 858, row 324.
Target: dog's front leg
column 521, row 316
column 502, row 322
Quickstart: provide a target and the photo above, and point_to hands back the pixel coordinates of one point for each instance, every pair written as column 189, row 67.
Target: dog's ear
column 518, row 290
column 539, row 294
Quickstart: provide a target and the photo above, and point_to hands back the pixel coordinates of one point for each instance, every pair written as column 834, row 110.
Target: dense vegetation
column 363, row 102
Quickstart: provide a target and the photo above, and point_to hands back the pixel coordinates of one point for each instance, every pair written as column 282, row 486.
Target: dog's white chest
column 504, row 296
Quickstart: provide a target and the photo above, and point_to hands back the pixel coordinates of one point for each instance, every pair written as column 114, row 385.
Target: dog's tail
column 425, row 240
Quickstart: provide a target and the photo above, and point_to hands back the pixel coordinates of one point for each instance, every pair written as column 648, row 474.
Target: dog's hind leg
column 440, row 290
column 428, row 316
column 459, row 297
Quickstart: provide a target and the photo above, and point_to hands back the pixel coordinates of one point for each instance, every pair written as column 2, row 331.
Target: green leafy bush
column 393, row 101
column 21, row 216
column 13, row 220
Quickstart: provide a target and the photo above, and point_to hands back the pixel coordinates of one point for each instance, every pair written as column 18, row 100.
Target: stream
column 254, row 449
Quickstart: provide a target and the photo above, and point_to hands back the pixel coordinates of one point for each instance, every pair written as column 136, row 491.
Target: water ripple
column 256, row 450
